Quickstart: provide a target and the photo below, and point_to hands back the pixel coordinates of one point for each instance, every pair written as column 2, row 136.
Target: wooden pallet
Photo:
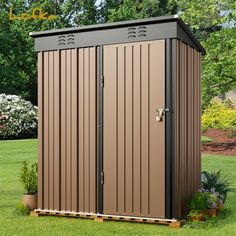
column 172, row 223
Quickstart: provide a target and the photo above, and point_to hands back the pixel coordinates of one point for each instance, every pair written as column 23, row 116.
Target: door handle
column 160, row 113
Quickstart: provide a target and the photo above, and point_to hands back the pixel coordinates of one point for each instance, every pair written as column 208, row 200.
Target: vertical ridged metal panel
column 134, row 142
column 67, row 130
column 187, row 154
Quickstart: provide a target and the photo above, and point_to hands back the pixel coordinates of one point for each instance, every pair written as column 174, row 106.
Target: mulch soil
column 223, row 142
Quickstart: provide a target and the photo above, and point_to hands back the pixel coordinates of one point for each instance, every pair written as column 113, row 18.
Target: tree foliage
column 213, row 21
column 142, row 9
column 18, row 72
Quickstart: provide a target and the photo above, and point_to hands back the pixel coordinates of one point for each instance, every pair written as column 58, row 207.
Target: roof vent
column 61, row 40
column 142, row 31
column 66, row 40
column 132, row 32
column 137, row 32
column 70, row 39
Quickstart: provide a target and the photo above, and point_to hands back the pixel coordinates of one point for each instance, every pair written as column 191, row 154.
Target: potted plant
column 29, row 179
column 212, row 202
column 196, row 215
column 215, row 180
column 198, row 206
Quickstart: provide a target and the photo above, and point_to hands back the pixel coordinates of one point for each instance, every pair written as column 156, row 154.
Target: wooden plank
column 100, row 218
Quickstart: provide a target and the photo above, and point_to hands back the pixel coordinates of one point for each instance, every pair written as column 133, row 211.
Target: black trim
column 99, row 63
column 119, row 24
column 168, row 27
column 168, row 129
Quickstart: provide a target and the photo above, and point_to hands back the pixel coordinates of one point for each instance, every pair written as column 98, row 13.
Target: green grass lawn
column 206, row 139
column 12, row 153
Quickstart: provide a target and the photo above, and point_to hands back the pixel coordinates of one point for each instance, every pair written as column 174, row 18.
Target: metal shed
column 119, row 118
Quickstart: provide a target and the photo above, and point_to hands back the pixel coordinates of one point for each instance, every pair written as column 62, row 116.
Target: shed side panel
column 40, row 130
column 187, row 158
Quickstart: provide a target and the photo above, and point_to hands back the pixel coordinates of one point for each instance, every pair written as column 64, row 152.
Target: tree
column 219, row 65
column 18, row 67
column 142, row 9
column 213, row 21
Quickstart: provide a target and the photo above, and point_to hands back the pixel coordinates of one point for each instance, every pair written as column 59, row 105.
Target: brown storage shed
column 119, row 118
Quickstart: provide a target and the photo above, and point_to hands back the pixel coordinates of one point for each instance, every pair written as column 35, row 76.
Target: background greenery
column 212, row 21
column 14, row 152
column 219, row 115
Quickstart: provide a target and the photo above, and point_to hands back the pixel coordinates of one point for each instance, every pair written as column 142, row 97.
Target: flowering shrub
column 219, row 115
column 18, row 118
column 204, row 199
column 214, row 199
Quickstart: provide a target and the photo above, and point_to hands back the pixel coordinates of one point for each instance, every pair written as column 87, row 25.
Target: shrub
column 29, row 177
column 219, row 115
column 18, row 118
column 204, row 199
column 21, row 210
column 198, row 201
column 215, row 180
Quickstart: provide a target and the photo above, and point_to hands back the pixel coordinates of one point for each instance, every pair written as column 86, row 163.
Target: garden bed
column 223, row 142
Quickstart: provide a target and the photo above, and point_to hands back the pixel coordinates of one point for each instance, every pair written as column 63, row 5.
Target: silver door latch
column 160, row 113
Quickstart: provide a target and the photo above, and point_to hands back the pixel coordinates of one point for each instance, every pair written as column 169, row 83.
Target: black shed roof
column 165, row 27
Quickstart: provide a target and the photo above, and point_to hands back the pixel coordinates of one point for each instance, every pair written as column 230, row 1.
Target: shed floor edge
column 173, row 223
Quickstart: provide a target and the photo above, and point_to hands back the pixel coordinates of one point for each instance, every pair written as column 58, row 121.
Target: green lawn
column 206, row 139
column 12, row 153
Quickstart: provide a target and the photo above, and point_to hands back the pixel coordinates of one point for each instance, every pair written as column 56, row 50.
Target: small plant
column 29, row 177
column 206, row 224
column 198, row 202
column 215, row 180
column 196, row 215
column 21, row 210
column 214, row 199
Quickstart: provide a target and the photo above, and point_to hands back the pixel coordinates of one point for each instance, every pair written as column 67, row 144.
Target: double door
column 101, row 148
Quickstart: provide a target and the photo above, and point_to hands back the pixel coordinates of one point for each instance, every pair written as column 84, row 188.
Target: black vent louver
column 64, row 40
column 137, row 32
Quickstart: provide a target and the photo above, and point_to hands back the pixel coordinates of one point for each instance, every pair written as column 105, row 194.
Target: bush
column 18, row 118
column 29, row 177
column 219, row 115
column 198, row 201
column 215, row 180
column 21, row 210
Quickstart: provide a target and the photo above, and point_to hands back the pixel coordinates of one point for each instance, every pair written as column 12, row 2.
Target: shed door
column 134, row 142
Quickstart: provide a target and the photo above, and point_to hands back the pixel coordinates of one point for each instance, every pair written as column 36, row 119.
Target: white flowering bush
column 18, row 117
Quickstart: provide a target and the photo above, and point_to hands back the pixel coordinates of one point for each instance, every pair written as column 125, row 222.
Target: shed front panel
column 134, row 142
column 67, row 130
